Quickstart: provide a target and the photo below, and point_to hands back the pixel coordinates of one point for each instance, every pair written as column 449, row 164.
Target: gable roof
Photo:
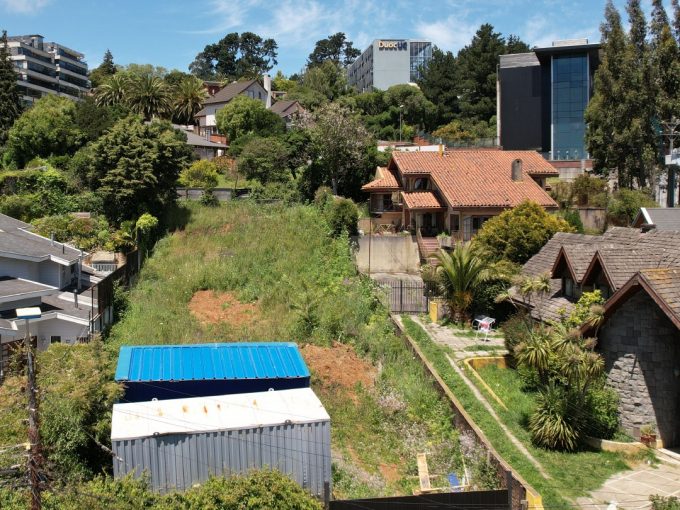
column 385, row 180
column 18, row 242
column 229, row 92
column 286, row 107
column 620, row 252
column 663, row 218
column 479, row 178
column 422, row 200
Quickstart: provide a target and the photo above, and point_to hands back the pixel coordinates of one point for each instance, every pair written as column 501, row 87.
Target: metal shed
column 203, row 370
column 182, row 442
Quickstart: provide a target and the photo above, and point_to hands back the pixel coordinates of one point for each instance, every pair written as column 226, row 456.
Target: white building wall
column 19, row 269
column 45, row 329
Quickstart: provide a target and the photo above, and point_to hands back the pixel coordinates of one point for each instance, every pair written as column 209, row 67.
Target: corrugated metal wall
column 178, row 461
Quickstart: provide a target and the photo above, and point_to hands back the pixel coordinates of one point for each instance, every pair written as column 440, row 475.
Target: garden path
column 445, row 336
column 631, row 489
column 461, row 341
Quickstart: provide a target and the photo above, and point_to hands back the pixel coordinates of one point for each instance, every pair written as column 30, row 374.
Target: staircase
column 428, row 247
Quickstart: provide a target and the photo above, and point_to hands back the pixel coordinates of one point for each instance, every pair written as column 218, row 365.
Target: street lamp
column 27, row 314
column 401, row 111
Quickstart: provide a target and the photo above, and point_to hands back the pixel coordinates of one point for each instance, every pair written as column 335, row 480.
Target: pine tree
column 10, row 100
column 107, row 64
column 676, row 19
column 439, row 84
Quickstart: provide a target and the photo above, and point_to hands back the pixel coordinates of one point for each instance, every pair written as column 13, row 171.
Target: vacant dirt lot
column 211, row 307
column 339, row 367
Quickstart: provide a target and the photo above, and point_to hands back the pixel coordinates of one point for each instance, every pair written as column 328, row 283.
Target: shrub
column 343, row 216
column 603, row 412
column 21, row 207
column 555, row 424
column 265, row 159
column 588, row 190
column 201, row 174
column 323, row 197
column 664, row 503
column 626, row 203
column 208, row 198
column 516, row 330
column 572, row 217
column 519, row 233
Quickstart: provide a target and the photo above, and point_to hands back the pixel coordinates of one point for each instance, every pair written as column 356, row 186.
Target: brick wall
column 641, row 348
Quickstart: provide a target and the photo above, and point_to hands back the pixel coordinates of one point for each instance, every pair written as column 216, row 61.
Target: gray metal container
column 294, row 439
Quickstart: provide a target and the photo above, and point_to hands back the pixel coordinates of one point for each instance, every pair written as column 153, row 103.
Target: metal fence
column 478, row 143
column 406, row 296
column 498, row 500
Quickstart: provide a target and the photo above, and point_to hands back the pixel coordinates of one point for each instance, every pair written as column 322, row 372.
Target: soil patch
column 211, row 307
column 339, row 366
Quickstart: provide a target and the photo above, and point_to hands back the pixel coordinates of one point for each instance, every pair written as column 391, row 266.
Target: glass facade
column 570, row 94
column 421, row 53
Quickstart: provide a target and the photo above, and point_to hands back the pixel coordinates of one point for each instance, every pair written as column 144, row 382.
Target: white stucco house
column 39, row 272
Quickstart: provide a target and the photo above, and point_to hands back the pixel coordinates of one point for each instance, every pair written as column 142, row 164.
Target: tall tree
column 439, row 84
column 236, row 56
column 515, row 45
column 676, row 19
column 620, row 133
column 149, row 97
column 187, row 100
column 341, row 148
column 113, row 91
column 476, row 65
column 245, row 116
column 336, row 48
column 106, row 69
column 10, row 100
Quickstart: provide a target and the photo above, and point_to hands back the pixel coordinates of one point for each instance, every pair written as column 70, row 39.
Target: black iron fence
column 497, row 500
column 406, row 296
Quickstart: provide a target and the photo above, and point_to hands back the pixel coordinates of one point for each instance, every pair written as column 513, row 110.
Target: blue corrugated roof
column 218, row 361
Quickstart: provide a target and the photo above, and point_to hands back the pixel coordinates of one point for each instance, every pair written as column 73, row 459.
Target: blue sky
column 169, row 33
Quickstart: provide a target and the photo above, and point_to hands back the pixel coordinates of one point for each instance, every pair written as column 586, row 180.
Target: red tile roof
column 480, row 178
column 386, row 181
column 422, row 200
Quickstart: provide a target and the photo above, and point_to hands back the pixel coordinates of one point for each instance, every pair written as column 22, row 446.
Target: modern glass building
column 388, row 62
column 542, row 98
column 47, row 68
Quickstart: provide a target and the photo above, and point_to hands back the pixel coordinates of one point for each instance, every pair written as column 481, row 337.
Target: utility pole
column 671, row 131
column 34, row 451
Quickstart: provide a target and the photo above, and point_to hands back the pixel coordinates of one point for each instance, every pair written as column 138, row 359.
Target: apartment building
column 47, row 68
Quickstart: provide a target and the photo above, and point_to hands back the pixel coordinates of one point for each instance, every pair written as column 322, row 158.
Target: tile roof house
column 457, row 190
column 36, row 271
column 638, row 273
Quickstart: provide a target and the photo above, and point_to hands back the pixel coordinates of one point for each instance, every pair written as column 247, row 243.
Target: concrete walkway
column 458, row 342
column 631, row 489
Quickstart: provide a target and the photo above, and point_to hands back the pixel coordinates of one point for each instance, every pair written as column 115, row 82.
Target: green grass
column 483, row 347
column 306, row 289
column 573, row 474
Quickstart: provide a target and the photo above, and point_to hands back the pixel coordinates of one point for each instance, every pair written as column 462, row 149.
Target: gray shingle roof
column 666, row 285
column 519, row 60
column 663, row 218
column 18, row 288
column 17, row 241
column 623, row 251
column 229, row 92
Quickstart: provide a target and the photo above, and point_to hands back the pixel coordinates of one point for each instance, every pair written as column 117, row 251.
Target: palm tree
column 114, row 91
column 188, row 99
column 460, row 274
column 149, row 97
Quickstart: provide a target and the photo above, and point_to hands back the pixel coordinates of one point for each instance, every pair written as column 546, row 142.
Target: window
column 455, row 223
column 55, row 339
column 570, row 90
column 387, row 202
column 422, row 183
column 568, row 287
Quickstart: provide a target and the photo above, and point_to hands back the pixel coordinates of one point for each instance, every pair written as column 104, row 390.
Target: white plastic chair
column 485, row 326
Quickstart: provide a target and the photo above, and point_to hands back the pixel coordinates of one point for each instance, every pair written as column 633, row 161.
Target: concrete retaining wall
column 593, row 218
column 389, row 254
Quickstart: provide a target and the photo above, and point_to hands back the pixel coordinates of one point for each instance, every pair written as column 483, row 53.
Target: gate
column 405, row 296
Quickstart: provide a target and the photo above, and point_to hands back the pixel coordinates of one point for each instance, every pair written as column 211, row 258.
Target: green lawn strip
column 548, row 489
column 306, row 289
column 483, row 347
column 575, row 474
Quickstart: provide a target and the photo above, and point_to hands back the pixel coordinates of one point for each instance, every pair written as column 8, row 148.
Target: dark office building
column 542, row 97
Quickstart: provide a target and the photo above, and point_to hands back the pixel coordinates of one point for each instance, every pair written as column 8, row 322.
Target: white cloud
column 228, row 15
column 24, row 6
column 450, row 34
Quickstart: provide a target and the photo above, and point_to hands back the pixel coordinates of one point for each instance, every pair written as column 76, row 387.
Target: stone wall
column 641, row 348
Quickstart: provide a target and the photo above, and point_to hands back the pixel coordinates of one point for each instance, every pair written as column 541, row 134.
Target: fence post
column 401, row 295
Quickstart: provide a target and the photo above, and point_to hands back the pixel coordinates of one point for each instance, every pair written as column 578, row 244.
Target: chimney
column 517, row 170
column 267, row 81
column 52, row 238
column 75, row 298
